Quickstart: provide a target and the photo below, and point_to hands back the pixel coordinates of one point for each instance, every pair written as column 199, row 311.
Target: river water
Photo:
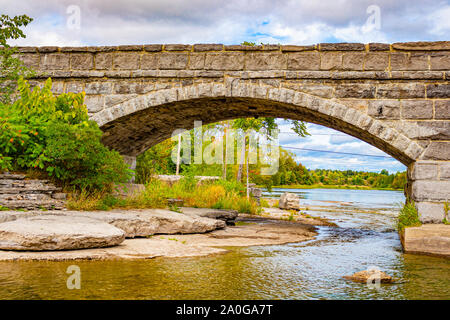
column 365, row 237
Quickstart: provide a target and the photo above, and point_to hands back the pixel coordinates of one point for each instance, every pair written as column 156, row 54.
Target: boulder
column 371, row 274
column 289, row 201
column 57, row 232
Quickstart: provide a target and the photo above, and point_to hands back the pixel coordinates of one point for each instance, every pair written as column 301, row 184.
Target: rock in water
column 371, row 274
column 289, row 201
column 58, row 232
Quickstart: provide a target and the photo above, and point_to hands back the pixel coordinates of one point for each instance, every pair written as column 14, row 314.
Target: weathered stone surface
column 51, row 232
column 370, row 276
column 81, row 61
column 422, row 45
column 16, row 192
column 409, row 61
column 437, row 151
column 365, row 91
column 384, row 109
column 143, row 223
column 429, row 239
column 126, row 60
column 379, row 46
column 224, row 61
column 436, row 130
column 342, row 47
column 438, row 91
column 331, row 61
column 417, row 109
column 208, row 47
column 220, row 214
column 425, row 171
column 442, row 109
column 265, row 61
column 401, row 91
column 425, row 190
column 55, row 61
column 303, row 61
column 289, row 201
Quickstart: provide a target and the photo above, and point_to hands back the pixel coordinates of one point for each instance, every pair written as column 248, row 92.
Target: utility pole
column 178, row 154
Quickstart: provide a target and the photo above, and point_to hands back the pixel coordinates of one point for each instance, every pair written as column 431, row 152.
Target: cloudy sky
column 114, row 22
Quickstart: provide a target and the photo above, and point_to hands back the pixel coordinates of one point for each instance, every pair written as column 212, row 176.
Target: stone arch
column 135, row 125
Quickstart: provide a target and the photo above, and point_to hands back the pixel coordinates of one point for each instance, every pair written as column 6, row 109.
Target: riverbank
column 255, row 231
column 322, row 186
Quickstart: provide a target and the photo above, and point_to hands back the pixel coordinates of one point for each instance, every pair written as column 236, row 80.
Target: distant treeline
column 157, row 160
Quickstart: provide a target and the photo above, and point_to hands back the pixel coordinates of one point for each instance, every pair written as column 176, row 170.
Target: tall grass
column 408, row 216
column 219, row 195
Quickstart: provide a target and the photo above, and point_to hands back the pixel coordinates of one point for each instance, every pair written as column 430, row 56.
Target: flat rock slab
column 57, row 232
column 211, row 213
column 147, row 222
column 135, row 223
column 431, row 239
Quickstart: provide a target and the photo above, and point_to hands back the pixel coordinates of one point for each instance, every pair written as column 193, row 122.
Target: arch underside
column 134, row 133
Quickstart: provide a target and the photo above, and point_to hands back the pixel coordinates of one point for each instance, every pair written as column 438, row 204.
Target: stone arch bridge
column 393, row 96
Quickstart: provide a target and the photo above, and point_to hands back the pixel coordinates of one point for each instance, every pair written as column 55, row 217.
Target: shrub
column 54, row 134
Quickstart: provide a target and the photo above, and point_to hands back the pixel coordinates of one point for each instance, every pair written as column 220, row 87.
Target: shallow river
column 365, row 237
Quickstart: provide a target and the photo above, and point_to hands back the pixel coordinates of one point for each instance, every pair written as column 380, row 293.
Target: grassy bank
column 322, row 186
column 217, row 195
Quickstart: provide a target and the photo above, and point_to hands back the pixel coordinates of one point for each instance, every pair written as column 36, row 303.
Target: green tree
column 11, row 66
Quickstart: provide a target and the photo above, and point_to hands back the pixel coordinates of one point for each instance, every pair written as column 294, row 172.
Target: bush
column 54, row 134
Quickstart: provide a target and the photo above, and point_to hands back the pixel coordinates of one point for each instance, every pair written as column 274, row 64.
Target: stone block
column 341, row 47
column 427, row 190
column 331, row 61
column 103, row 60
column 173, row 61
column 376, row 61
column 81, row 61
column 94, row 103
column 437, row 150
column 440, row 60
column 438, row 91
column 353, row 61
column 149, row 61
column 98, row 88
column 126, row 60
column 265, row 61
column 384, row 109
column 430, row 212
column 224, row 61
column 401, row 90
column 417, row 109
column 379, row 47
column 30, row 60
column 303, row 61
column 55, row 61
column 366, row 91
column 409, row 61
column 442, row 109
column 444, row 171
column 208, row 47
column 424, row 171
column 428, row 239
